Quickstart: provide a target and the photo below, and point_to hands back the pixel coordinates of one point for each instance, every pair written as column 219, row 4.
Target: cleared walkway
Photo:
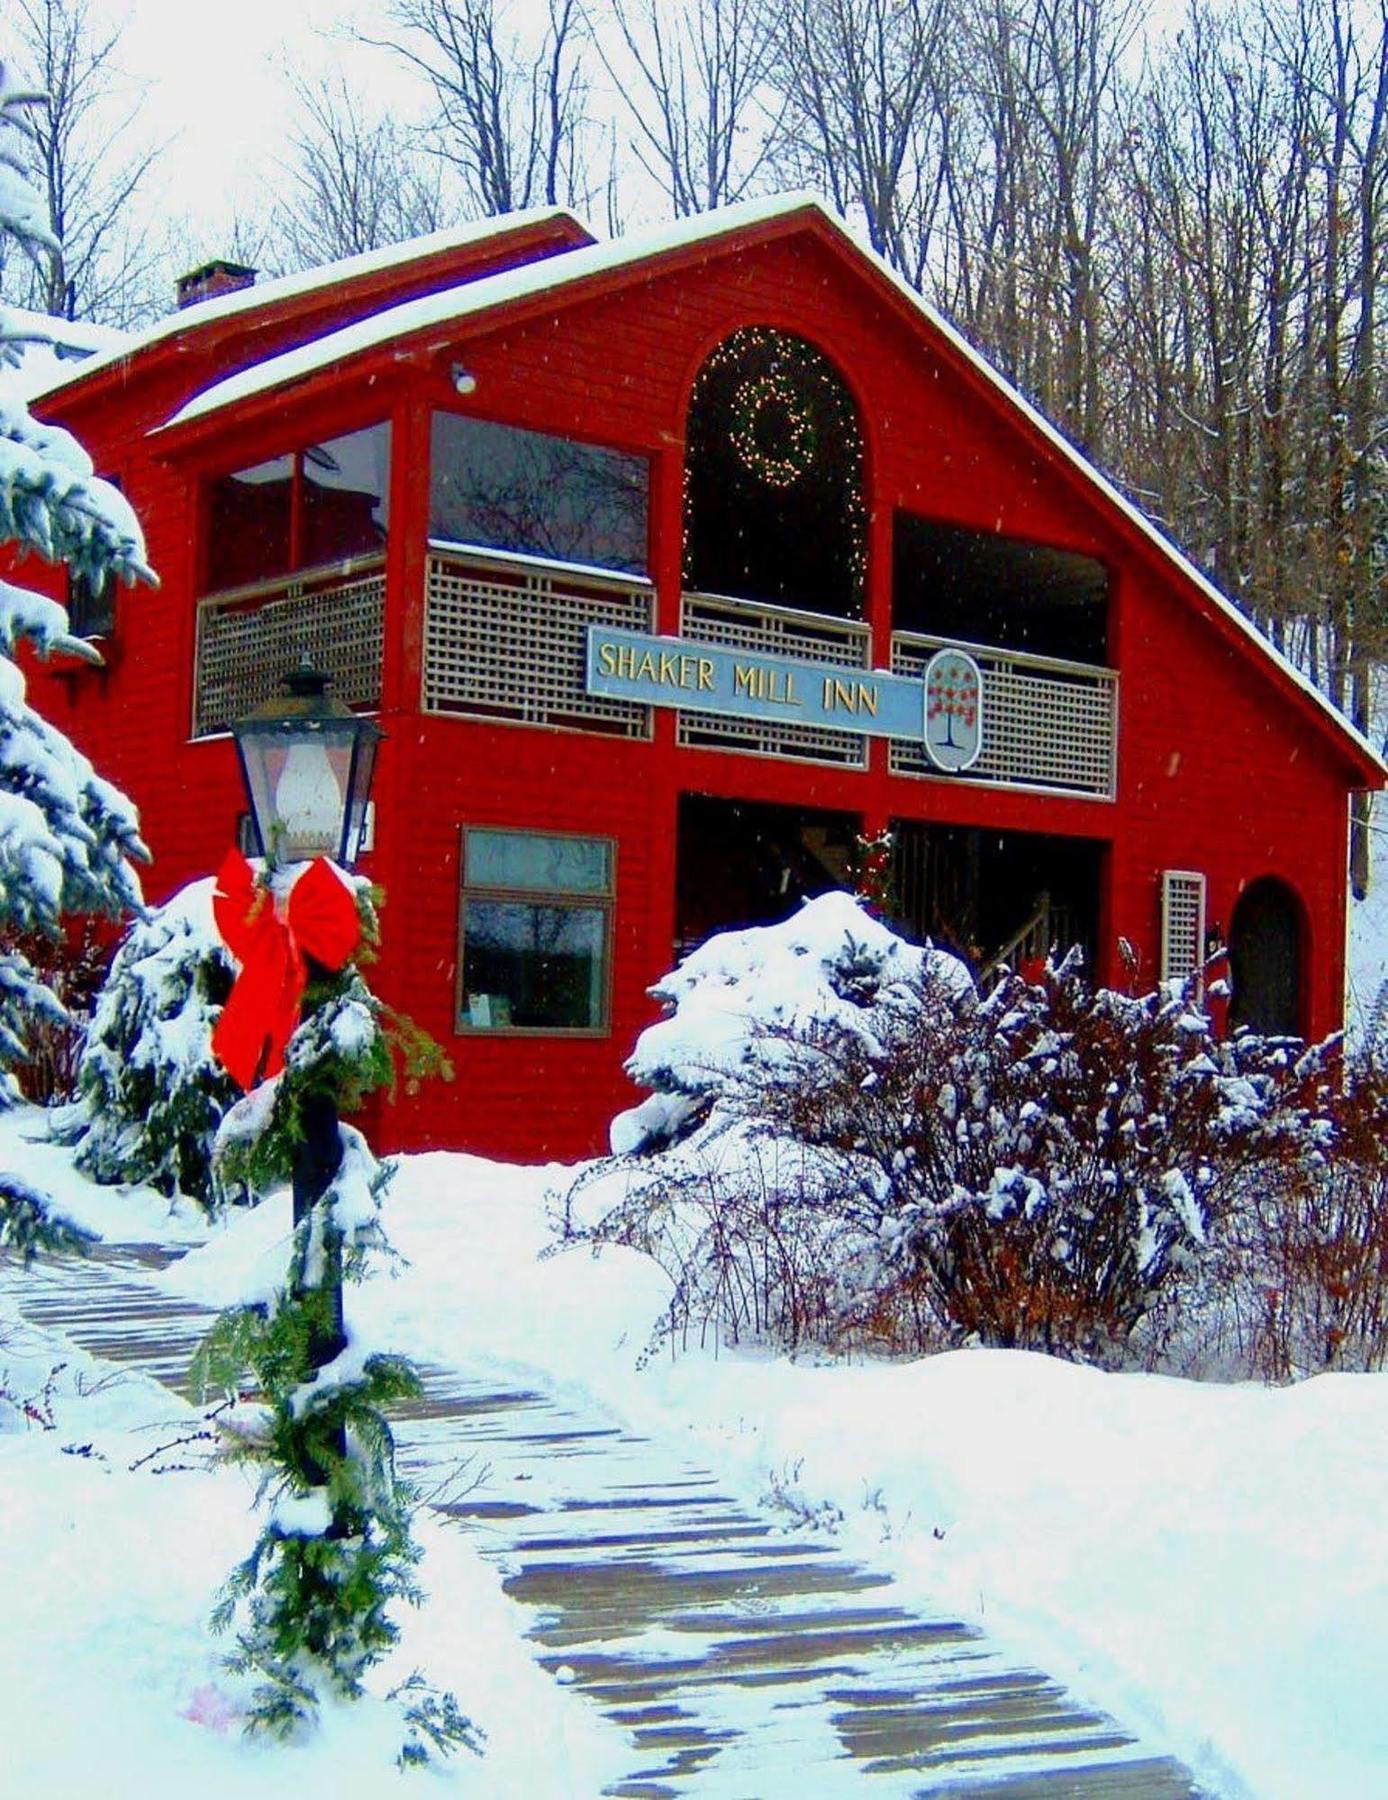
column 746, row 1659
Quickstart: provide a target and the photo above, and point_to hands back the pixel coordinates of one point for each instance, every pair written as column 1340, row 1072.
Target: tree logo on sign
column 953, row 711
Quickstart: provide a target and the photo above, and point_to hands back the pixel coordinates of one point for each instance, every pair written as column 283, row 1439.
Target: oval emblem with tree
column 953, row 710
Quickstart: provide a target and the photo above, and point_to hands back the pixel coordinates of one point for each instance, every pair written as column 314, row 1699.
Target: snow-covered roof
column 470, row 299
column 306, row 281
column 51, row 350
column 556, row 274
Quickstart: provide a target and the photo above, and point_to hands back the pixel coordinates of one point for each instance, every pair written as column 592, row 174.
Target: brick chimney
column 212, row 279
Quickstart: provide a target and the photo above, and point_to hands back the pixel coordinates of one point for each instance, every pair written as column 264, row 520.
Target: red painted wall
column 1219, row 769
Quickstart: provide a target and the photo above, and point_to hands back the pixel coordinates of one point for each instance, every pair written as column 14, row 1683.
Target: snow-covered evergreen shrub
column 879, row 1152
column 68, row 839
column 151, row 1093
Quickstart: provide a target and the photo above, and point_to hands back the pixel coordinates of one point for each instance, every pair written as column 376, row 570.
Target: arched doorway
column 774, row 478
column 1265, row 960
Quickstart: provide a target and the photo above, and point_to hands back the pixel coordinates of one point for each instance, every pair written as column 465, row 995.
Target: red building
column 476, row 476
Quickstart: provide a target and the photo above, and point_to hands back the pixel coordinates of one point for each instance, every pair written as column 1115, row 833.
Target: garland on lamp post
column 302, row 1033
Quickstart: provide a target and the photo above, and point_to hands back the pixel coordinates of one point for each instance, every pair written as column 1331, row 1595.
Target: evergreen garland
column 311, row 1603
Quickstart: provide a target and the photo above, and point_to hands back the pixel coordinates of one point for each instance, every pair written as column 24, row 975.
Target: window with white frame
column 536, row 931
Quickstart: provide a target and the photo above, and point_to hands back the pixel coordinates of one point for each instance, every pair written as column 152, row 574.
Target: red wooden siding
column 1219, row 769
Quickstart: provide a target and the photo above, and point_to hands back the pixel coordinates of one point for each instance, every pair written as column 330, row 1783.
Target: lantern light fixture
column 307, row 762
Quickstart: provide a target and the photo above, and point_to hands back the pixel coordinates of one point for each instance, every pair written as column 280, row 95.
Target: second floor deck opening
column 774, row 506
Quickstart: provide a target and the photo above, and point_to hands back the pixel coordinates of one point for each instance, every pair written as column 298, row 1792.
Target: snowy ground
column 110, row 1681
column 1206, row 1560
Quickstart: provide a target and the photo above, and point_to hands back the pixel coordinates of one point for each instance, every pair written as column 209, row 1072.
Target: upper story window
column 773, row 507
column 950, row 581
column 502, row 488
column 322, row 504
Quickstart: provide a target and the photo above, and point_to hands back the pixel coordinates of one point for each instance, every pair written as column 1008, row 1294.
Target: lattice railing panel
column 1046, row 723
column 510, row 642
column 776, row 631
column 249, row 640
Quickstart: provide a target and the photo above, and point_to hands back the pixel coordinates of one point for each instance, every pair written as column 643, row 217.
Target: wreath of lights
column 783, row 468
column 819, row 394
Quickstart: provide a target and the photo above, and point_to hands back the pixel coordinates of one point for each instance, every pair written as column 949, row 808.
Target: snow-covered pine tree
column 68, row 839
column 151, row 1095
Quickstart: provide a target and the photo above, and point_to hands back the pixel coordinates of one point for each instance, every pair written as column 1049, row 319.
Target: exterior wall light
column 464, row 381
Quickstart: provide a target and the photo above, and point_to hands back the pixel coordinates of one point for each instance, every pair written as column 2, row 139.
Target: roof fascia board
column 184, row 334
column 427, row 343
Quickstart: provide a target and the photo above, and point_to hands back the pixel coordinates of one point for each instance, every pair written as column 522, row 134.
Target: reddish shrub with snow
column 848, row 1143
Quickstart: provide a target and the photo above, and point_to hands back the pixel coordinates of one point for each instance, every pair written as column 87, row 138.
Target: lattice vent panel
column 740, row 625
column 245, row 647
column 1044, row 724
column 504, row 644
column 1182, row 924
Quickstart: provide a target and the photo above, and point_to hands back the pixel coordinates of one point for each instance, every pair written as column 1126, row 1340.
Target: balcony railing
column 247, row 638
column 776, row 631
column 1046, row 723
column 505, row 637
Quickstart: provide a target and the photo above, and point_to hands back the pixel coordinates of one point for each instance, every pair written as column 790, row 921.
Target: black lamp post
column 307, row 763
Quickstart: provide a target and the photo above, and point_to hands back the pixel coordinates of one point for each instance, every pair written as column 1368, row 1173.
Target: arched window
column 1265, row 960
column 773, row 481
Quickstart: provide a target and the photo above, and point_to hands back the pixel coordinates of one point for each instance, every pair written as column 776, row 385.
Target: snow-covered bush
column 1301, row 1265
column 68, row 839
column 151, row 1093
column 847, row 1141
column 72, row 967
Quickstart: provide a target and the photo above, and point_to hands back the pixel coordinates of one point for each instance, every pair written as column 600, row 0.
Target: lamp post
column 307, row 763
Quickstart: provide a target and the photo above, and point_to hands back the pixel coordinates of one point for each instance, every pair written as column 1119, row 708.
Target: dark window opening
column 774, row 478
column 951, row 582
column 91, row 608
column 743, row 862
column 498, row 487
column 1265, row 960
column 327, row 503
column 536, row 928
column 990, row 895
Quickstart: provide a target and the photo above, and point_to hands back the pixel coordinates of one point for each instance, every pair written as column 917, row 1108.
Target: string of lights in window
column 789, row 410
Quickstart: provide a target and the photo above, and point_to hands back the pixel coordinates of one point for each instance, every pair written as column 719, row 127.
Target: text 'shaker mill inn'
column 670, row 566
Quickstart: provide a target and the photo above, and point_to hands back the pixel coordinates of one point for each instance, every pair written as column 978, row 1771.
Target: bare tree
column 699, row 98
column 89, row 167
column 357, row 182
column 866, row 116
column 509, row 115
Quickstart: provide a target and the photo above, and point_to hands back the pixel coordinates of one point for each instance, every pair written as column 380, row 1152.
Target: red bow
column 262, row 1009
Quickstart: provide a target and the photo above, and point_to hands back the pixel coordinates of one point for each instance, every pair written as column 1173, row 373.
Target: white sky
column 215, row 77
column 214, row 80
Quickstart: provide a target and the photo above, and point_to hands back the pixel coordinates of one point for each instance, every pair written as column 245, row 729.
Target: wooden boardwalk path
column 747, row 1659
